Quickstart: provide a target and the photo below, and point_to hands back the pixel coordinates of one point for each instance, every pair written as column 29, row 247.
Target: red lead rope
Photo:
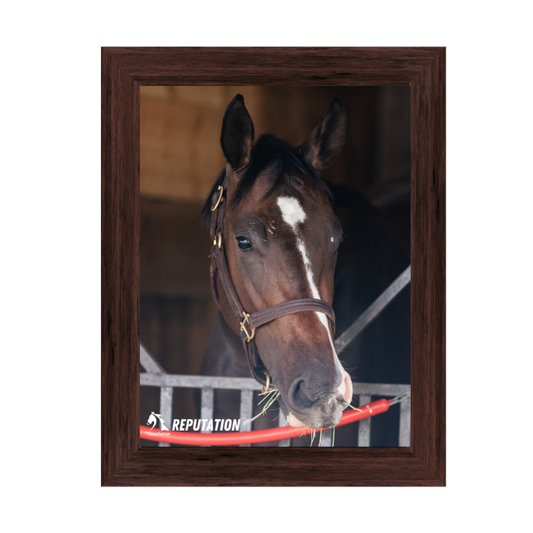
column 252, row 437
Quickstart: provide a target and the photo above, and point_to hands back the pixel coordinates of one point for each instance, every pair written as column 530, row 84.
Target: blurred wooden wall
column 180, row 134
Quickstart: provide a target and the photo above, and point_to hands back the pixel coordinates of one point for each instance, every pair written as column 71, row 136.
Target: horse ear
column 325, row 142
column 237, row 136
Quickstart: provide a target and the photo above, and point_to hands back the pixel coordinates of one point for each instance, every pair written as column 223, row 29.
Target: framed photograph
column 422, row 70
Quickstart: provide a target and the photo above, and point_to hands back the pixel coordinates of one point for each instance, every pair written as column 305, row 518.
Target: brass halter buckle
column 249, row 336
column 218, row 240
column 220, row 198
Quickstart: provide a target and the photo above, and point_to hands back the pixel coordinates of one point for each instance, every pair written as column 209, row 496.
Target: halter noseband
column 249, row 322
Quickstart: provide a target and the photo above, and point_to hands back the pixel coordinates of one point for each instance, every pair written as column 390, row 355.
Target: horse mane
column 269, row 151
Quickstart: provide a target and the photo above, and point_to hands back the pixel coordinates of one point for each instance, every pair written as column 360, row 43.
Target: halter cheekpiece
column 250, row 322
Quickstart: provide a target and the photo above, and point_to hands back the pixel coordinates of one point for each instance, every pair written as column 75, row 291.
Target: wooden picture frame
column 124, row 463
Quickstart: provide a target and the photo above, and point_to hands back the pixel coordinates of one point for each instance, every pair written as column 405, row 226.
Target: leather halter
column 249, row 322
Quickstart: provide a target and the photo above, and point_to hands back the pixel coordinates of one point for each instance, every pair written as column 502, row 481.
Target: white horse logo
column 153, row 418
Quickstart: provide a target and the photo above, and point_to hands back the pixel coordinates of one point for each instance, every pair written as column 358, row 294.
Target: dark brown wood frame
column 124, row 463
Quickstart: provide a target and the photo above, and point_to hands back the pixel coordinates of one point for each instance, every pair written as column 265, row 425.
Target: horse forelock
column 283, row 163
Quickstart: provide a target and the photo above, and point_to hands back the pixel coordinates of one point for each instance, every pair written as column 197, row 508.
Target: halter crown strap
column 249, row 322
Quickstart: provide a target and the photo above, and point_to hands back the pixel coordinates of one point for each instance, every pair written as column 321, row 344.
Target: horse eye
column 244, row 243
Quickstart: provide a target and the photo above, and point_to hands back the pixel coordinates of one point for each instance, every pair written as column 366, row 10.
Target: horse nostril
column 300, row 395
column 340, row 399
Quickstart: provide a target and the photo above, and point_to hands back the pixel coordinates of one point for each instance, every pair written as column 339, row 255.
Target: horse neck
column 224, row 355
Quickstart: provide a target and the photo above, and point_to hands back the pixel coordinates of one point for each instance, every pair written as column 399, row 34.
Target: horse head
column 152, row 420
column 281, row 239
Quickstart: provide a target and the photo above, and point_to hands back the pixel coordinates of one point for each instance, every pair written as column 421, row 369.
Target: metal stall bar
column 364, row 425
column 165, row 394
column 405, row 423
column 366, row 391
column 207, row 384
column 149, row 363
column 248, row 385
column 247, row 408
column 374, row 309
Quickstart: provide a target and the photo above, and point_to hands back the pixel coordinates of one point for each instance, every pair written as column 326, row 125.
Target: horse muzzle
column 314, row 405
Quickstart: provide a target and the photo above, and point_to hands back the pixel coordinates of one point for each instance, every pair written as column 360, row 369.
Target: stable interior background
column 181, row 158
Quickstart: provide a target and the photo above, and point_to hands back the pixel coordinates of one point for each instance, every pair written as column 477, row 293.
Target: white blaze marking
column 293, row 214
column 291, row 211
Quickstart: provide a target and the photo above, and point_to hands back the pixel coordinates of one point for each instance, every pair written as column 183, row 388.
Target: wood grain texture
column 123, row 462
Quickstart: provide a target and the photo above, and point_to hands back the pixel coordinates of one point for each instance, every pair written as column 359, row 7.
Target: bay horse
column 279, row 235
